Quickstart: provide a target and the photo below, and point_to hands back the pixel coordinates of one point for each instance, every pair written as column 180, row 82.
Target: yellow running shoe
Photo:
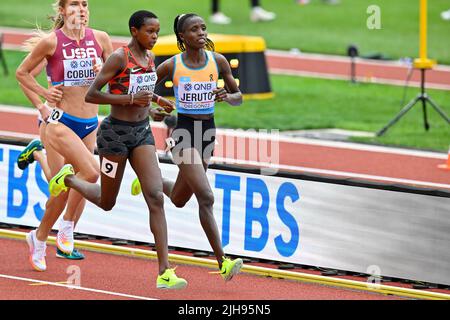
column 136, row 187
column 169, row 280
column 56, row 184
column 230, row 268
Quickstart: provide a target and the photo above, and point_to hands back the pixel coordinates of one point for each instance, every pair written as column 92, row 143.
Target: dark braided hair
column 138, row 18
column 178, row 27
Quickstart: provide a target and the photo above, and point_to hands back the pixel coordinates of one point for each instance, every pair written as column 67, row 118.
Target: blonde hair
column 39, row 33
column 58, row 19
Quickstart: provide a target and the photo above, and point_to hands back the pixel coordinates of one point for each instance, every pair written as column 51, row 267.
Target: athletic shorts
column 192, row 133
column 118, row 137
column 81, row 126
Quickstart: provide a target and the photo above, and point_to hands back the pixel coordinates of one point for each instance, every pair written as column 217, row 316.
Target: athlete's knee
column 205, row 199
column 178, row 201
column 108, row 205
column 155, row 198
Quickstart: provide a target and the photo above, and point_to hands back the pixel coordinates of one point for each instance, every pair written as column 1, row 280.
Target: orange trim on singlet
column 120, row 83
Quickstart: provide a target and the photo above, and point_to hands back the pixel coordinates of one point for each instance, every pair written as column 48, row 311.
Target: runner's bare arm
column 33, row 97
column 112, row 67
column 230, row 93
column 163, row 71
column 43, row 49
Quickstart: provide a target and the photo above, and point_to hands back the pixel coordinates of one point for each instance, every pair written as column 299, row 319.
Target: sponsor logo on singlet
column 142, row 82
column 196, row 95
column 79, row 66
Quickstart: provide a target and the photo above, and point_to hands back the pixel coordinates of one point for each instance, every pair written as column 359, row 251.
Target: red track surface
column 138, row 277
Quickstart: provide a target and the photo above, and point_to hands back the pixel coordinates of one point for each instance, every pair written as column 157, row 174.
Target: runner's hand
column 158, row 114
column 142, row 98
column 54, row 94
column 97, row 68
column 221, row 94
column 166, row 104
column 45, row 111
column 98, row 65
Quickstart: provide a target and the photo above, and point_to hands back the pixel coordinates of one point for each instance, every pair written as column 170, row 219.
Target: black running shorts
column 117, row 137
column 198, row 134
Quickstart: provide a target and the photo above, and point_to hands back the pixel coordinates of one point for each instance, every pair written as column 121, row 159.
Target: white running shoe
column 219, row 18
column 37, row 251
column 64, row 238
column 259, row 14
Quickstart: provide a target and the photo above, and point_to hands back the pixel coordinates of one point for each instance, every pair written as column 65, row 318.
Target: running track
column 105, row 276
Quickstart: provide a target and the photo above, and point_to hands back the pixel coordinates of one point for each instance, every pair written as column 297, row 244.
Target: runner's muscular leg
column 179, row 191
column 105, row 194
column 75, row 152
column 76, row 203
column 195, row 176
column 144, row 163
column 54, row 206
column 40, row 156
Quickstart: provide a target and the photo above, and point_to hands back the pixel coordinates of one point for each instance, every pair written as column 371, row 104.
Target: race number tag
column 109, row 168
column 55, row 116
column 79, row 72
column 196, row 95
column 170, row 143
column 142, row 82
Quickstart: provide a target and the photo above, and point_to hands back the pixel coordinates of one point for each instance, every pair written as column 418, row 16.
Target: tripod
column 424, row 98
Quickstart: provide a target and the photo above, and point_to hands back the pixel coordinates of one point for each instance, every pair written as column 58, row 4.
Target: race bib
column 79, row 72
column 196, row 95
column 142, row 82
column 55, row 115
column 109, row 168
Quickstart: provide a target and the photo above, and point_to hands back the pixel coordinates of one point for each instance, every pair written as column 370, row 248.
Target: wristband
column 157, row 100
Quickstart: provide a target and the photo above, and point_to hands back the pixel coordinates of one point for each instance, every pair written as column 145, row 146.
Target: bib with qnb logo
column 134, row 77
column 73, row 64
column 193, row 87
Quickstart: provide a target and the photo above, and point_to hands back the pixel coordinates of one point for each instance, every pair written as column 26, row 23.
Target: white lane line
column 76, row 287
column 218, row 160
column 364, row 79
column 336, row 58
column 266, row 135
column 18, row 135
